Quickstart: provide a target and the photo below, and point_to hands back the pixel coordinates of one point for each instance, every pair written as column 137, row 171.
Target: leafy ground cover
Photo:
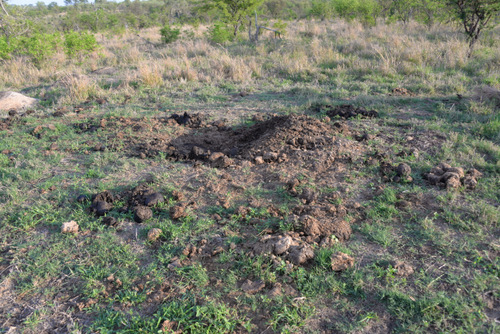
column 281, row 187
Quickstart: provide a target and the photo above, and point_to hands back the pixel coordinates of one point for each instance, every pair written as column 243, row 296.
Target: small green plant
column 76, row 43
column 169, row 34
column 219, row 33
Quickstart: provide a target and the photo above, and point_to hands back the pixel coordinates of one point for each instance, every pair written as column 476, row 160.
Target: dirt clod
column 69, row 227
column 301, row 254
column 341, row 261
column 154, row 234
column 403, row 269
column 403, row 170
column 81, row 198
column 343, row 111
column 178, row 211
column 142, row 213
column 252, row 287
column 154, row 199
column 110, row 221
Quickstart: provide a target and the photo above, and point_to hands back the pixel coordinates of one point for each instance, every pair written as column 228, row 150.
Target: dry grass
column 487, row 94
column 317, row 50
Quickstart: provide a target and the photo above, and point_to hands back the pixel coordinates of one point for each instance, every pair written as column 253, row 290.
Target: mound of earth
column 15, row 101
column 278, row 139
column 343, row 111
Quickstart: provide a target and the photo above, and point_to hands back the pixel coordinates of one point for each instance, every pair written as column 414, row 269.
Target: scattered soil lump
column 444, row 175
column 343, row 111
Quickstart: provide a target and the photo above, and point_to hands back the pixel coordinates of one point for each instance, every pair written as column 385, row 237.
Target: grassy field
column 291, row 171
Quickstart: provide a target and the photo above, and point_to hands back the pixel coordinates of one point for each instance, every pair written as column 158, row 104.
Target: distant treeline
column 102, row 15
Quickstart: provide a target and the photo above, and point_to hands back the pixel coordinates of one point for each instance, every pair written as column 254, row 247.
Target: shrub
column 5, row 48
column 39, row 46
column 169, row 34
column 220, row 33
column 79, row 43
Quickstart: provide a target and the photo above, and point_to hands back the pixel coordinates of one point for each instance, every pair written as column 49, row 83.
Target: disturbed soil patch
column 295, row 138
column 343, row 111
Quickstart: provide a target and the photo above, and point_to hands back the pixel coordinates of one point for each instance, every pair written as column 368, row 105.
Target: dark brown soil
column 276, row 140
column 343, row 111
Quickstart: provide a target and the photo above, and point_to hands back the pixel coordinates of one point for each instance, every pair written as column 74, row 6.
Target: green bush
column 220, row 33
column 38, row 46
column 76, row 43
column 5, row 48
column 169, row 34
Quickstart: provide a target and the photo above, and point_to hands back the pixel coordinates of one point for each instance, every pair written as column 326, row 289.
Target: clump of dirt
column 143, row 195
column 399, row 173
column 341, row 261
column 452, row 177
column 192, row 121
column 288, row 246
column 139, row 200
column 276, row 140
column 142, row 213
column 343, row 111
column 102, row 203
column 400, row 91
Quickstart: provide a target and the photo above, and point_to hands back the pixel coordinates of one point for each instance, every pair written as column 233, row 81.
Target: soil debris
column 154, row 234
column 142, row 213
column 178, row 211
column 403, row 269
column 343, row 111
column 252, row 287
column 400, row 173
column 341, row 261
column 192, row 121
column 110, row 221
column 69, row 227
column 276, row 140
column 102, row 203
column 444, row 175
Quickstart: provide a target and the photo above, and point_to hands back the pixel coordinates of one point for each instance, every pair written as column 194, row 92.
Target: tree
column 475, row 16
column 235, row 11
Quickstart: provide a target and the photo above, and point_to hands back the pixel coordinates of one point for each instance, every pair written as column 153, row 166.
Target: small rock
column 341, row 261
column 259, row 160
column 154, row 199
column 142, row 213
column 154, row 234
column 252, row 287
column 69, row 227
